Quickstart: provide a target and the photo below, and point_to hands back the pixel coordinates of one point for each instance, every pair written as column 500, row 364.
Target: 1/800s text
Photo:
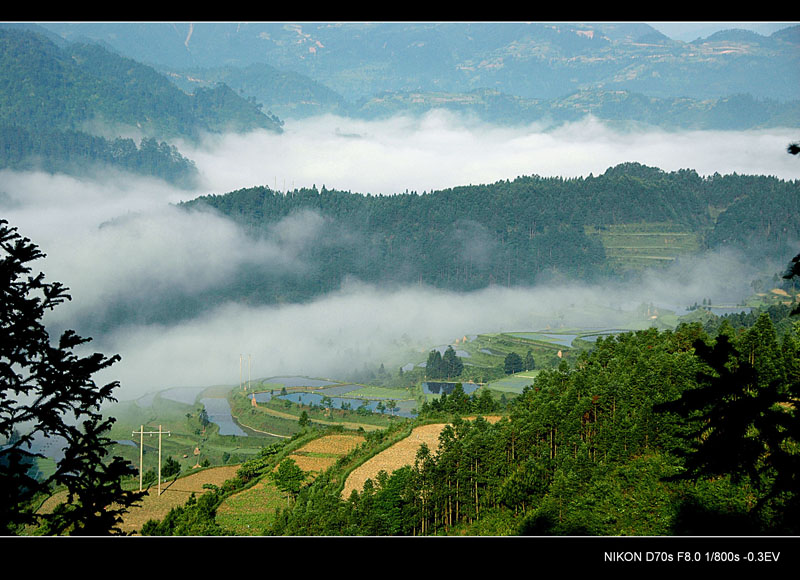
column 689, row 556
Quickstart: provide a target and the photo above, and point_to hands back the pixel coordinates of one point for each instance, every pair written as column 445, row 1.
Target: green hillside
column 522, row 231
column 70, row 107
column 74, row 85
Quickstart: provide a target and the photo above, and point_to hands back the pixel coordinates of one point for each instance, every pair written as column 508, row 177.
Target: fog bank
column 442, row 150
column 365, row 324
column 118, row 241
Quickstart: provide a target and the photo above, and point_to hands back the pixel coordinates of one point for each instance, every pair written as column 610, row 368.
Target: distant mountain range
column 528, row 60
column 500, row 72
column 74, row 95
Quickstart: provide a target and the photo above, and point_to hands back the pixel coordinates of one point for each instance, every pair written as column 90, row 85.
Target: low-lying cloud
column 119, row 241
column 442, row 150
column 359, row 324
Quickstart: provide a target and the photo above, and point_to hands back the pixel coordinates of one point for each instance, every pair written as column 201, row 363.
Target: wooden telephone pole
column 142, row 433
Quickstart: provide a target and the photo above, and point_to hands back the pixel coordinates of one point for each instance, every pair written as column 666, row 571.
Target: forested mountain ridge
column 514, row 232
column 73, row 86
column 287, row 94
column 295, row 96
column 63, row 106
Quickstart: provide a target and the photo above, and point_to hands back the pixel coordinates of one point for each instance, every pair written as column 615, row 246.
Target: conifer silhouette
column 46, row 390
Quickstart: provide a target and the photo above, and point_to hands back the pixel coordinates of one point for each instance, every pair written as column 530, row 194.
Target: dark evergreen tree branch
column 47, row 390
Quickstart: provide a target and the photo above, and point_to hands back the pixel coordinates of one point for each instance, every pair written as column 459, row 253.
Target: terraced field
column 174, row 493
column 514, row 383
column 322, row 453
column 401, row 453
column 249, row 512
column 634, row 246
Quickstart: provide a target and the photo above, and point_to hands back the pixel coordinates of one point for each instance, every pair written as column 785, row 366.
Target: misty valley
column 399, row 279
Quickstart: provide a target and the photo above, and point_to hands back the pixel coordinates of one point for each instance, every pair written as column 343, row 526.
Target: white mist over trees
column 118, row 239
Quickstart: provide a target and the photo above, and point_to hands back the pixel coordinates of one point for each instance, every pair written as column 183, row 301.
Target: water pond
column 219, row 413
column 51, row 447
column 566, row 339
column 593, row 337
column 561, row 339
column 460, row 353
column 187, row 395
column 145, row 401
column 342, row 390
column 437, row 387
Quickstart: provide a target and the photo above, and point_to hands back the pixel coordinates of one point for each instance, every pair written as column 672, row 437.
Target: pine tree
column 742, row 426
column 529, row 363
column 512, row 363
column 289, row 478
column 451, row 363
column 434, row 368
column 47, row 390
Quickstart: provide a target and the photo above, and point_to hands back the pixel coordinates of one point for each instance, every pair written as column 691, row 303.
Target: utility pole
column 142, row 433
column 141, row 453
column 248, row 371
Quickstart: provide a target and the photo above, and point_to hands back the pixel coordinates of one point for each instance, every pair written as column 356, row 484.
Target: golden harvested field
column 401, row 453
column 174, row 494
column 333, row 444
column 250, row 511
column 319, row 454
